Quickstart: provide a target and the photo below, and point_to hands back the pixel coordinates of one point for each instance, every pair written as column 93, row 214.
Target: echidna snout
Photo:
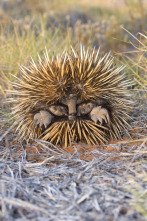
column 71, row 102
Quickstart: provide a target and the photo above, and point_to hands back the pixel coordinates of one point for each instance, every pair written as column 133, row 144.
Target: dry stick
column 128, row 167
column 133, row 36
column 132, row 141
column 23, row 204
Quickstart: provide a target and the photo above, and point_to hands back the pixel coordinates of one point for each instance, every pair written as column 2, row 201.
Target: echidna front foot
column 100, row 114
column 42, row 118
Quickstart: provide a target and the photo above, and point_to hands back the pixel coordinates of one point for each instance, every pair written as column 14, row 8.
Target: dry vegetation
column 39, row 181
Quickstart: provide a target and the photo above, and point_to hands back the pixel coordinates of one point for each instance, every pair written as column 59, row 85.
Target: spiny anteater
column 72, row 97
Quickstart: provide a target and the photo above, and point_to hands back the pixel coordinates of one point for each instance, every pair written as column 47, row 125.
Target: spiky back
column 84, row 73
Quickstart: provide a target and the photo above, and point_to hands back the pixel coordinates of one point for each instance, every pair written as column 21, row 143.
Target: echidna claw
column 100, row 114
column 84, row 109
column 42, row 118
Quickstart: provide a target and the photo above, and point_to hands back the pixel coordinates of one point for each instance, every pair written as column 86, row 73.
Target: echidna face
column 71, row 108
column 72, row 98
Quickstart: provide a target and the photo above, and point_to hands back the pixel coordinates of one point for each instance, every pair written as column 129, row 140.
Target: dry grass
column 137, row 61
column 39, row 181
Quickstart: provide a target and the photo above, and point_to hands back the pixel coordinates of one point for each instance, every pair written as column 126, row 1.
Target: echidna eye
column 62, row 109
column 85, row 108
column 58, row 110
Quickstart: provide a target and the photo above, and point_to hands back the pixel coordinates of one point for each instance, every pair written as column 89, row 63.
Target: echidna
column 72, row 97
